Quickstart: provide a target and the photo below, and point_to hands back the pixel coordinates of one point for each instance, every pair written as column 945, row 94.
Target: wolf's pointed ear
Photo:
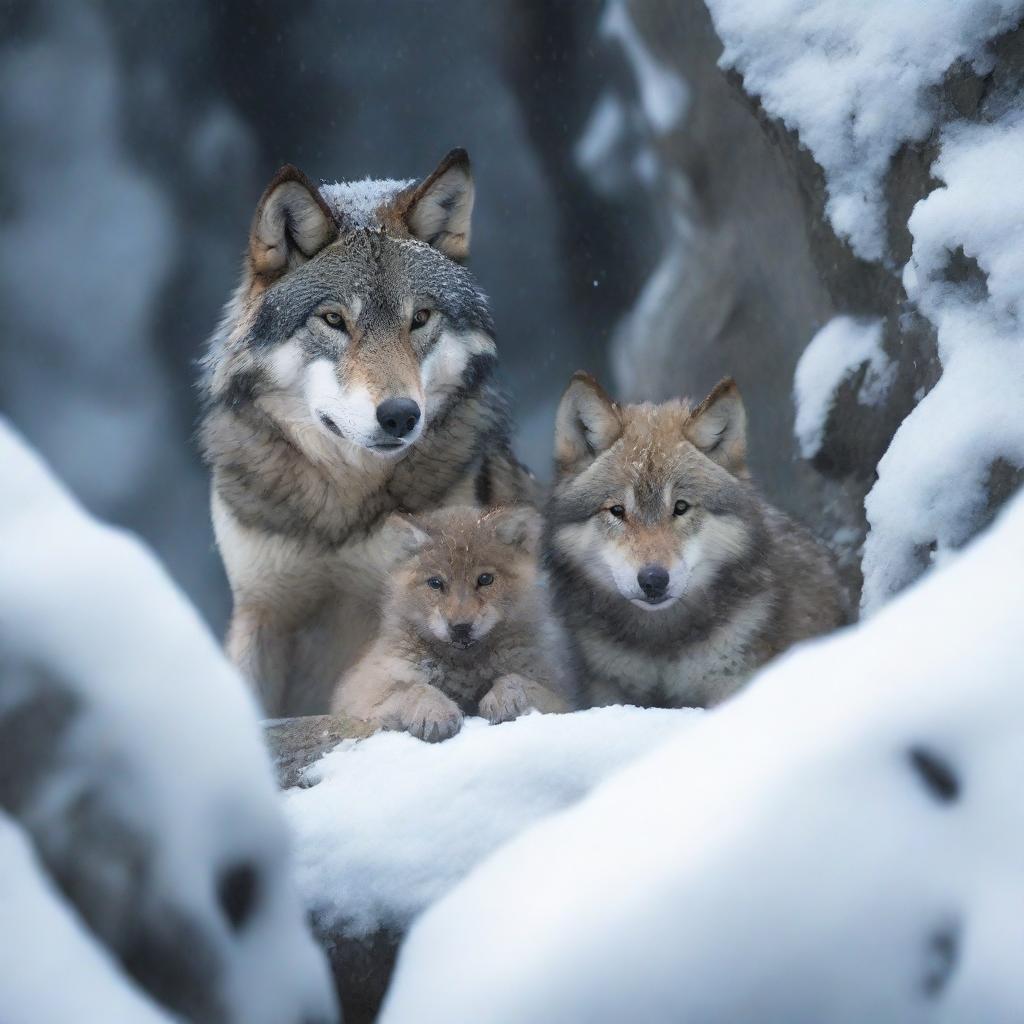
column 439, row 209
column 517, row 525
column 292, row 224
column 587, row 424
column 403, row 536
column 718, row 427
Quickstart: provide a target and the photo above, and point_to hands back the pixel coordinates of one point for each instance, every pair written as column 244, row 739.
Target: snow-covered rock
column 132, row 759
column 844, row 841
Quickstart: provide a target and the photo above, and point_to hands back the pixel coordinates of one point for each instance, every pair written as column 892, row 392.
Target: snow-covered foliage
column 853, row 80
column 932, row 481
column 133, row 760
column 393, row 823
column 52, row 970
column 842, row 841
column 833, row 355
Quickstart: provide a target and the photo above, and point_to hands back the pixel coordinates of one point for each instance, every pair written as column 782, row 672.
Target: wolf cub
column 675, row 578
column 465, row 627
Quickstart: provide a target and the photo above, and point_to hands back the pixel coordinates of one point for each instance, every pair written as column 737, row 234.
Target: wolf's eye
column 682, row 507
column 332, row 319
column 618, row 511
column 419, row 318
column 485, row 579
column 435, row 583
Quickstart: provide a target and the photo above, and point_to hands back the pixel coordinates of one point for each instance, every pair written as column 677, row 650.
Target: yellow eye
column 618, row 511
column 419, row 318
column 333, row 319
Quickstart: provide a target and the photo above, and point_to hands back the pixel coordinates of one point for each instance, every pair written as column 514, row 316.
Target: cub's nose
column 461, row 633
column 398, row 416
column 653, row 580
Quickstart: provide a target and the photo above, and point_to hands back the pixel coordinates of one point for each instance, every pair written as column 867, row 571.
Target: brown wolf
column 351, row 376
column 675, row 578
column 466, row 628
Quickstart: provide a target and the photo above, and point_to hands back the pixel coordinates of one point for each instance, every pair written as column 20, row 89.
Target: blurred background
column 636, row 215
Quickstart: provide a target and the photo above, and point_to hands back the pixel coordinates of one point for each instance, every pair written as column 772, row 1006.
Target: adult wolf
column 675, row 578
column 350, row 377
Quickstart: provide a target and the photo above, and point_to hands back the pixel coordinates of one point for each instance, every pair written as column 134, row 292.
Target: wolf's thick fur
column 466, row 628
column 350, row 377
column 675, row 578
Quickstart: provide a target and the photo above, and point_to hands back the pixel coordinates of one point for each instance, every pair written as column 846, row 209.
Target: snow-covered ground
column 393, row 823
column 843, row 841
column 132, row 760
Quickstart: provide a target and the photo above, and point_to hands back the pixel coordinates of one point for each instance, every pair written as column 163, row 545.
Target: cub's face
column 468, row 576
column 649, row 504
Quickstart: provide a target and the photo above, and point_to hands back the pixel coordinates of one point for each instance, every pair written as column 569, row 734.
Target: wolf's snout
column 398, row 416
column 461, row 633
column 653, row 580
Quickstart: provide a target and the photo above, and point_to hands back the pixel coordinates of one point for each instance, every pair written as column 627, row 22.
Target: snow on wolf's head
column 131, row 755
column 651, row 501
column 355, row 323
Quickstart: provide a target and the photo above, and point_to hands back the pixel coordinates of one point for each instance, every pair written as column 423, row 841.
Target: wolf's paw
column 429, row 715
column 505, row 700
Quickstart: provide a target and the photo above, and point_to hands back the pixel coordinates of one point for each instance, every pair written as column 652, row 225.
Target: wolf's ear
column 292, row 224
column 718, row 427
column 439, row 209
column 587, row 424
column 518, row 526
column 403, row 536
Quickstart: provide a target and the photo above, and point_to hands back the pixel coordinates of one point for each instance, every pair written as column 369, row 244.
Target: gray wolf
column 466, row 628
column 674, row 577
column 350, row 377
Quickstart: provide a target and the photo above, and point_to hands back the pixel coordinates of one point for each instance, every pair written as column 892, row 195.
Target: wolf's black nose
column 653, row 580
column 398, row 416
column 461, row 632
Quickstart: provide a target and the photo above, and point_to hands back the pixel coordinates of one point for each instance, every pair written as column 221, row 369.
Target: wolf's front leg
column 391, row 693
column 513, row 695
column 260, row 645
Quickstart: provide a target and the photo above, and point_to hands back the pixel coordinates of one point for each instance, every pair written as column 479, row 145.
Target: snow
column 355, row 203
column 394, row 823
column 853, row 80
column 158, row 772
column 842, row 841
column 931, row 488
column 664, row 96
column 52, row 970
column 833, row 355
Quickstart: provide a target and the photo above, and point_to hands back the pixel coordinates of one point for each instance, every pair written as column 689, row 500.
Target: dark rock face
column 752, row 268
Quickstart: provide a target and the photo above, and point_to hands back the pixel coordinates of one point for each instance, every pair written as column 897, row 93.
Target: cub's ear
column 517, row 525
column 718, row 427
column 587, row 424
column 439, row 209
column 403, row 536
column 292, row 224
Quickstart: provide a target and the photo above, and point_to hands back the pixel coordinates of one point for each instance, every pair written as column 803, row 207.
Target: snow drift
column 842, row 841
column 133, row 762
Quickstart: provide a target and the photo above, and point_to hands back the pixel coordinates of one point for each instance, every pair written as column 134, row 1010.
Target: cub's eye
column 435, row 583
column 485, row 579
column 332, row 319
column 419, row 318
column 618, row 511
column 682, row 507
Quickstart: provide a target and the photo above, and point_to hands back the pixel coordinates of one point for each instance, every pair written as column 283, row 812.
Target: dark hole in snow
column 939, row 778
column 940, row 957
column 237, row 891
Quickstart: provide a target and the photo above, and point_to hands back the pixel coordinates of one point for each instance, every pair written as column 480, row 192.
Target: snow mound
column 355, row 203
column 932, row 482
column 832, row 356
column 843, row 841
column 853, row 80
column 133, row 760
column 394, row 823
column 52, row 969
